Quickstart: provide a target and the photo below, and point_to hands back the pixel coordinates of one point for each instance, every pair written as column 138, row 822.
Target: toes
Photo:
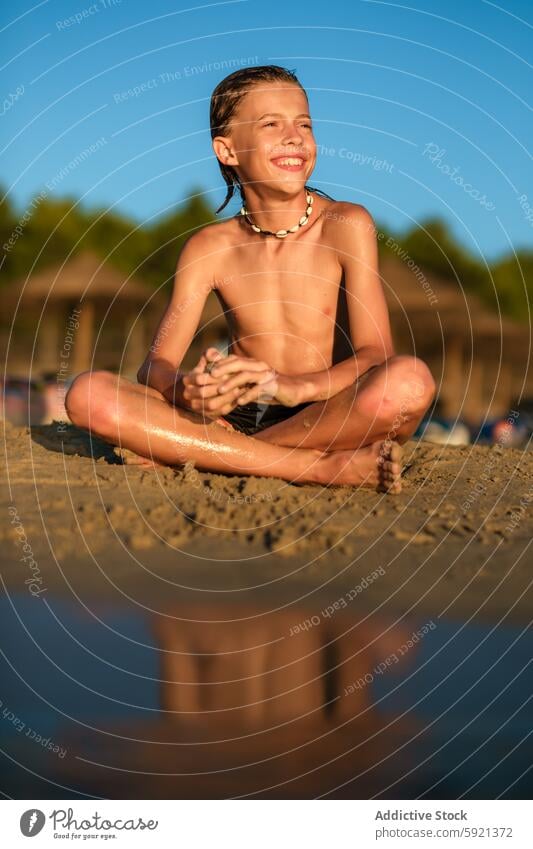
column 389, row 467
column 395, row 453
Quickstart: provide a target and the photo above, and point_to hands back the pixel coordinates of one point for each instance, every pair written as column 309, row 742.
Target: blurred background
column 106, row 167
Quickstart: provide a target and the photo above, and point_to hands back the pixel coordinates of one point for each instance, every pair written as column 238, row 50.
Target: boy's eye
column 273, row 124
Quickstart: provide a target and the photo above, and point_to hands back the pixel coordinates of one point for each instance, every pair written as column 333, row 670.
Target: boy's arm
column 354, row 237
column 192, row 283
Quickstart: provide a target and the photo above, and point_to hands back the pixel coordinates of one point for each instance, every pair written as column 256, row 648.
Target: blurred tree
column 513, row 279
column 502, row 285
column 168, row 235
column 51, row 228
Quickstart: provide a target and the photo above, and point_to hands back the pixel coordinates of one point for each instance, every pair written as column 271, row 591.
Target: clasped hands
column 218, row 384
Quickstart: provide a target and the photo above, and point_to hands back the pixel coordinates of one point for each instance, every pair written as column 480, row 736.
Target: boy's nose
column 295, row 138
column 293, row 135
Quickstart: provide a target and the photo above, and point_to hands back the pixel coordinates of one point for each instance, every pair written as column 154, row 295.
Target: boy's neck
column 275, row 213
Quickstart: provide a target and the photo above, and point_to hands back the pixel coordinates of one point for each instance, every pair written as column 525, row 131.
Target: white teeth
column 290, row 161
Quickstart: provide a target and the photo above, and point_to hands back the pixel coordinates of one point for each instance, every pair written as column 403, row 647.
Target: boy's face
column 271, row 139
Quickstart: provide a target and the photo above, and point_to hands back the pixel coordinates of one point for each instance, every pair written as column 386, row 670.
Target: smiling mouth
column 289, row 163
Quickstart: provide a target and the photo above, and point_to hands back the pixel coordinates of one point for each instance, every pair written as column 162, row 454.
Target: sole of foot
column 377, row 466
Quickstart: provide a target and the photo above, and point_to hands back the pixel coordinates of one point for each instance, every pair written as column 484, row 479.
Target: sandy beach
column 454, row 542
column 244, row 637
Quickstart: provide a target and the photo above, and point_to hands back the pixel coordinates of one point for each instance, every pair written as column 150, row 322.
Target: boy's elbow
column 375, row 354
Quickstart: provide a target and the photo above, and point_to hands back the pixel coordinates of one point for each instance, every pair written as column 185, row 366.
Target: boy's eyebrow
column 279, row 115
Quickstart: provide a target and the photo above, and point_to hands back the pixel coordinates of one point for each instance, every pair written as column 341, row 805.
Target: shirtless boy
column 311, row 389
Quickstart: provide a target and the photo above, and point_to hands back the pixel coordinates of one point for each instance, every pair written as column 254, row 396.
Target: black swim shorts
column 253, row 417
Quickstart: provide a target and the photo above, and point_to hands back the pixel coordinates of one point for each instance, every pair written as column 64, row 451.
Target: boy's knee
column 76, row 397
column 411, row 383
column 404, row 388
column 89, row 396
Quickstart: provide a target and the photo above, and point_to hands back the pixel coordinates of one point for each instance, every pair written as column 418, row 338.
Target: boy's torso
column 284, row 301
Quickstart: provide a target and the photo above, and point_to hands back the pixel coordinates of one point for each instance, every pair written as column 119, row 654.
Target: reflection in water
column 229, row 701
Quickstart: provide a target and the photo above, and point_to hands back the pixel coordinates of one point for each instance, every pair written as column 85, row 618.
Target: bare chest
column 295, row 290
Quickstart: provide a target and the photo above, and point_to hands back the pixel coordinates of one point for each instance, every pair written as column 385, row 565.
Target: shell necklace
column 281, row 233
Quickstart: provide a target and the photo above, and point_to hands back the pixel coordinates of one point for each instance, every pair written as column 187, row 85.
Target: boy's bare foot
column 377, row 466
column 130, row 458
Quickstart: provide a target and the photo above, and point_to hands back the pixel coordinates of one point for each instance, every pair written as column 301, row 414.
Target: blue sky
column 419, row 109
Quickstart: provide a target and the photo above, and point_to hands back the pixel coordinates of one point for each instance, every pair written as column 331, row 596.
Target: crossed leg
column 140, row 419
column 387, row 402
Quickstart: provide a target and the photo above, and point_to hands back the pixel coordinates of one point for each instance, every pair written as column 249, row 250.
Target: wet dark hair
column 224, row 102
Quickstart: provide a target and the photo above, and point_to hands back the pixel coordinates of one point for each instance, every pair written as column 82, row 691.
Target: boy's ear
column 224, row 151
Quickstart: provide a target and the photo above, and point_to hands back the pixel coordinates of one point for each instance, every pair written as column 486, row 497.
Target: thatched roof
column 423, row 303
column 83, row 276
column 418, row 290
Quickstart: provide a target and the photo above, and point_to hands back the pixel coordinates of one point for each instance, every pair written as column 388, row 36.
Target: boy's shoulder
column 344, row 219
column 205, row 243
column 212, row 235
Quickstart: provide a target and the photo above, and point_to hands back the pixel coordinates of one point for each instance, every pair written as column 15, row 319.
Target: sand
column 454, row 542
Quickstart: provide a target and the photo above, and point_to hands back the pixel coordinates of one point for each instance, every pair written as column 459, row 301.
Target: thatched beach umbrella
column 480, row 359
column 71, row 298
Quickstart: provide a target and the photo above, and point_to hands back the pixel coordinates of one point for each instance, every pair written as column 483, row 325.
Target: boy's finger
column 229, row 398
column 212, row 354
column 240, row 379
column 213, row 406
column 201, row 392
column 236, row 365
column 199, row 378
column 205, row 359
column 251, row 394
column 265, row 378
column 213, row 363
column 246, row 398
column 262, row 391
column 210, row 392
